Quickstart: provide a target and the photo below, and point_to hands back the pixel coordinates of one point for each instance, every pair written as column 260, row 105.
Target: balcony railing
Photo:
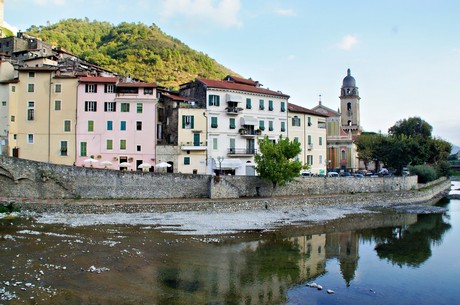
column 234, row 110
column 241, row 151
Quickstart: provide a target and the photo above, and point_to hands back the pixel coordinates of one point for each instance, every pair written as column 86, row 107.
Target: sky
column 404, row 54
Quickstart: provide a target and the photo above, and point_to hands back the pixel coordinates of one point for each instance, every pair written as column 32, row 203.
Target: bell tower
column 349, row 105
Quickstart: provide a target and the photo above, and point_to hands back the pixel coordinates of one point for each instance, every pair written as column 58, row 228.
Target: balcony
column 309, row 146
column 249, row 132
column 241, row 152
column 193, row 146
column 234, row 110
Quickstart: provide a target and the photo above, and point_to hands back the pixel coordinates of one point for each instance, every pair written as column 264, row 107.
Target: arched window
column 349, row 106
column 343, row 155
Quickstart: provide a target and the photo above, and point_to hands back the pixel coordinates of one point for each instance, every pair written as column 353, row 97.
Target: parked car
column 383, row 172
column 305, row 174
column 333, row 174
column 359, row 176
column 346, row 174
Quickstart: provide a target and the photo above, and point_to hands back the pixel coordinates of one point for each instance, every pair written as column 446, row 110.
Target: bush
column 443, row 169
column 425, row 173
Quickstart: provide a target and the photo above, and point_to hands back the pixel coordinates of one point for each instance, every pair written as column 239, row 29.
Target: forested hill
column 142, row 51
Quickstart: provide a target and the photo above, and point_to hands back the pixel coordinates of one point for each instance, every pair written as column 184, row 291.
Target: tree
column 411, row 127
column 275, row 161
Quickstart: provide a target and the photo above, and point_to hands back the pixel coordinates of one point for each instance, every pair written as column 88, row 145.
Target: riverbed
column 358, row 254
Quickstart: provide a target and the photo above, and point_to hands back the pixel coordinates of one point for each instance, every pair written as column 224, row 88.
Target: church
column 343, row 127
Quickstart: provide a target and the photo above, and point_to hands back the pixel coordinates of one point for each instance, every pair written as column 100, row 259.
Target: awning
column 234, row 98
column 249, row 120
column 228, row 164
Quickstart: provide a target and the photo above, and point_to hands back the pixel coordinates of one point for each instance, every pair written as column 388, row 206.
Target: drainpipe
column 49, row 118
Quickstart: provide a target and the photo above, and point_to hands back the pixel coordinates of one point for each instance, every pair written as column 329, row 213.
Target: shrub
column 425, row 173
column 443, row 169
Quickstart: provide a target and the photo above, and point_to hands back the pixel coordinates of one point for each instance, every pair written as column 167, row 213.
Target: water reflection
column 148, row 267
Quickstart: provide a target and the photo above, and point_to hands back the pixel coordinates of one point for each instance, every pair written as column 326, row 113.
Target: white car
column 333, row 174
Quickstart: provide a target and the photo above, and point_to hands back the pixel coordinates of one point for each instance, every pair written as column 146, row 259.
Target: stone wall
column 28, row 179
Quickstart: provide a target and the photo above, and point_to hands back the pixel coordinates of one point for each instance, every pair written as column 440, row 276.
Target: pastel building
column 116, row 123
column 8, row 85
column 238, row 113
column 309, row 129
column 42, row 115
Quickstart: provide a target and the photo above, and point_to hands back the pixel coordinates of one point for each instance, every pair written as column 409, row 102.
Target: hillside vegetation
column 138, row 50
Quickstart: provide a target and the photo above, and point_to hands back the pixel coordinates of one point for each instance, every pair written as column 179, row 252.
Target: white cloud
column 348, row 42
column 285, row 12
column 222, row 12
column 10, row 27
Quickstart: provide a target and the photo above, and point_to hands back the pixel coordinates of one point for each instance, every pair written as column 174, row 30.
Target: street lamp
column 220, row 159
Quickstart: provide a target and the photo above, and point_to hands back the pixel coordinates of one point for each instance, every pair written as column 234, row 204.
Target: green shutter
column 217, row 100
column 232, row 124
column 192, row 122
column 183, row 121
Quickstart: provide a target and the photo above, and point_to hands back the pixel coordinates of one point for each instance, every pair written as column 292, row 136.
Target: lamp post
column 220, row 159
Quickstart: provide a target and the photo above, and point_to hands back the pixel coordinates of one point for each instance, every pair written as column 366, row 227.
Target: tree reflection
column 411, row 245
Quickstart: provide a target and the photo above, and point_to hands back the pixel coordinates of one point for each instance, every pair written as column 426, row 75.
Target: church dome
column 349, row 81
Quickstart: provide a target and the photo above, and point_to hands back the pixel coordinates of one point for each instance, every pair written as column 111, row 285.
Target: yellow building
column 309, row 129
column 43, row 116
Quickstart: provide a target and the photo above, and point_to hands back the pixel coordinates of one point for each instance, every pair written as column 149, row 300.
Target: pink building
column 116, row 123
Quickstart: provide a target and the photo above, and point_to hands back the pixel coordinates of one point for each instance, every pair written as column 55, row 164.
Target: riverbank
column 215, row 217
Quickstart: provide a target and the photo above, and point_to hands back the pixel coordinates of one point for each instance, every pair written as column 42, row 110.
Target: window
column 270, row 105
column 232, row 124
column 261, row 125
column 186, row 160
column 63, row 148
column 30, row 111
column 309, row 139
column 31, row 74
column 283, row 106
column 214, row 144
column 109, row 88
column 123, row 125
column 296, row 139
column 13, row 88
column 248, row 103
column 270, row 125
column 57, row 88
column 310, row 159
column 12, row 119
column 214, row 100
column 138, row 148
column 83, row 147
column 91, row 88
column 124, row 107
column 309, row 121
column 67, row 126
column 30, row 138
column 110, row 106
column 214, row 122
column 90, row 125
column 31, row 88
column 3, row 103
column 139, row 107
column 90, row 106
column 261, row 105
column 109, row 144
column 188, row 122
column 139, row 125
column 296, row 121
column 123, row 144
column 283, row 126
column 343, row 155
column 320, row 159
column 57, row 105
column 320, row 140
column 148, row 91
column 109, row 125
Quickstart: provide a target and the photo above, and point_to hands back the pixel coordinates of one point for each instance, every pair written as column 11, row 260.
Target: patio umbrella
column 162, row 165
column 145, row 166
column 124, row 164
column 106, row 164
column 90, row 161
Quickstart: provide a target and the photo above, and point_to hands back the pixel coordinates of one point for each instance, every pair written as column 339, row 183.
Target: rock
column 330, row 291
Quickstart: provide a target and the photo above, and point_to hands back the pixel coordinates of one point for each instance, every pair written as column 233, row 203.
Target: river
column 374, row 257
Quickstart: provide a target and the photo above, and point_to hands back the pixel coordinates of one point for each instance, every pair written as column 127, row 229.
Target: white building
column 238, row 113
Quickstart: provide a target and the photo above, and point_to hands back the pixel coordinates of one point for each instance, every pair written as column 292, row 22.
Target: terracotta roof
column 137, row 84
column 98, row 79
column 176, row 97
column 241, row 80
column 300, row 109
column 325, row 110
column 221, row 84
column 9, row 81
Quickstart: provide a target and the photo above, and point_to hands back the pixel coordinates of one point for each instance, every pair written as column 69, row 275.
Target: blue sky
column 404, row 54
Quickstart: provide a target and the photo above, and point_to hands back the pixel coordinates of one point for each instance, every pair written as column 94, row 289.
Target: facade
column 7, row 91
column 116, row 123
column 238, row 113
column 309, row 129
